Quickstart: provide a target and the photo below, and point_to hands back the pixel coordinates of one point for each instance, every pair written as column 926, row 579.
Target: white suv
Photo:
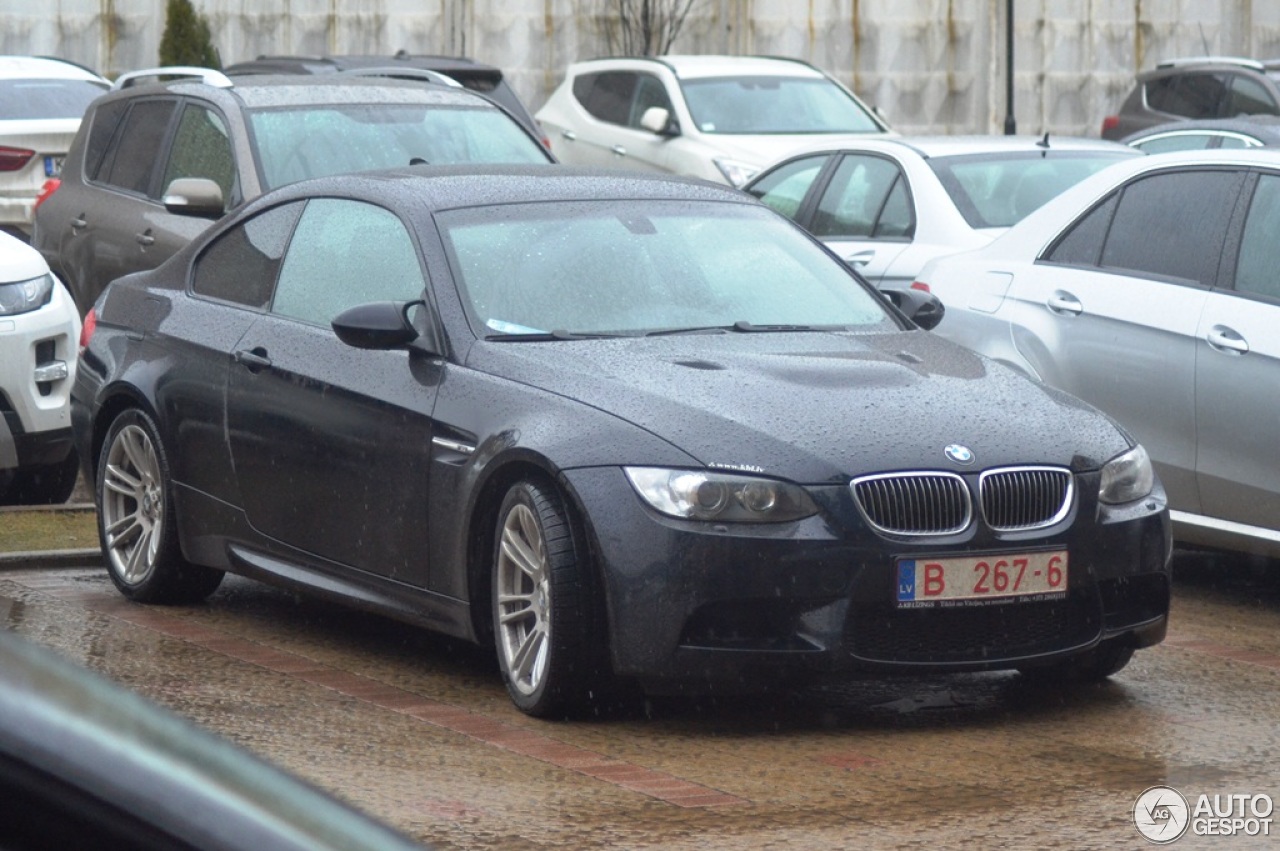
column 39, row 333
column 722, row 118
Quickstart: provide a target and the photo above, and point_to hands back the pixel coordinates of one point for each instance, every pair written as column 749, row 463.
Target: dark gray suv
column 1197, row 87
column 155, row 162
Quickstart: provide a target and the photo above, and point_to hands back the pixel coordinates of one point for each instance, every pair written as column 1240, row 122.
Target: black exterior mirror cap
column 377, row 325
column 922, row 308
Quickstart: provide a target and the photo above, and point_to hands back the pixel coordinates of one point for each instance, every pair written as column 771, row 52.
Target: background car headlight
column 1127, row 477
column 25, row 296
column 736, row 171
column 707, row 495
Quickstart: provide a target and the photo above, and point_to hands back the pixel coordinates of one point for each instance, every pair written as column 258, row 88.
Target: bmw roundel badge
column 959, row 454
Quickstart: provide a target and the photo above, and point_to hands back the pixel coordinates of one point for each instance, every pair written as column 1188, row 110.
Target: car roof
column 332, row 63
column 692, row 67
column 470, row 185
column 44, row 66
column 270, row 90
column 1263, row 127
column 944, row 146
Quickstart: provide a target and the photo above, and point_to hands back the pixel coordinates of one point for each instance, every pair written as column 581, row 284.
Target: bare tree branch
column 645, row 27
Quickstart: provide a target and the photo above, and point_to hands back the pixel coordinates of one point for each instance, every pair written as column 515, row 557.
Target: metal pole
column 1010, row 125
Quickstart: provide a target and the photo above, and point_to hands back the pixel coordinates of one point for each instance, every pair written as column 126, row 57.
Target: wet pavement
column 418, row 730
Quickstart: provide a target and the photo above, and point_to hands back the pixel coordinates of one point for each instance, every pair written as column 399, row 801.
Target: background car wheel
column 47, row 484
column 136, row 518
column 548, row 649
column 1094, row 666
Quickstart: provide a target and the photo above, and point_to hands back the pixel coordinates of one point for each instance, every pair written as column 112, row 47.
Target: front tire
column 136, row 518
column 547, row 638
column 44, row 484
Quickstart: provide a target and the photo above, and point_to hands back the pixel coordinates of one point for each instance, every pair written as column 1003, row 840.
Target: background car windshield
column 761, row 105
column 999, row 190
column 46, row 98
column 638, row 267
column 296, row 144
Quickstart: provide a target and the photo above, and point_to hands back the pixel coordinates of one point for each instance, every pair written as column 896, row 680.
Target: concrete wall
column 931, row 66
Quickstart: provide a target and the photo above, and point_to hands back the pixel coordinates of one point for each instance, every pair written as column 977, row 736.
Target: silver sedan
column 1152, row 290
column 889, row 205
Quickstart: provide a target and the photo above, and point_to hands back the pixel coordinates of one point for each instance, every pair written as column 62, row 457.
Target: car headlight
column 1127, row 477
column 708, row 495
column 736, row 171
column 25, row 296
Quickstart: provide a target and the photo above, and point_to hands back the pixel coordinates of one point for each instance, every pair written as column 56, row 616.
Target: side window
column 202, row 148
column 1258, row 266
column 106, row 120
column 241, row 265
column 136, row 148
column 346, row 253
column 896, row 219
column 649, row 93
column 1156, row 232
column 785, row 187
column 607, row 95
column 1188, row 95
column 1082, row 244
column 857, row 195
column 1248, row 97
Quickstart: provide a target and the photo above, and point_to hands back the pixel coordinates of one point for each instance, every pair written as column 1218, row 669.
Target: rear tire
column 45, row 484
column 136, row 519
column 549, row 648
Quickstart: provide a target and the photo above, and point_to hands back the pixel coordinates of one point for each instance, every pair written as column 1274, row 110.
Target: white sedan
column 44, row 100
column 888, row 205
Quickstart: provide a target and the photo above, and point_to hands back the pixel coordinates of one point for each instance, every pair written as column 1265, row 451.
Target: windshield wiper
column 544, row 336
column 744, row 327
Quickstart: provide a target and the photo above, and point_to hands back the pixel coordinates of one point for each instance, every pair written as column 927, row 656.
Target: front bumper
column 732, row 604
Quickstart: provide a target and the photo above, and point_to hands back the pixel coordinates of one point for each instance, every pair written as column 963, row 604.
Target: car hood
column 816, row 407
column 761, row 150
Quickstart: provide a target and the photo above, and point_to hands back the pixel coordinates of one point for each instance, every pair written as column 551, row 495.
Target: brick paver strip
column 509, row 737
column 1223, row 651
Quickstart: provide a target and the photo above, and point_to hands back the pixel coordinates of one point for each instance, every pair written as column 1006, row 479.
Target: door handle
column 145, row 239
column 1227, row 340
column 619, row 150
column 861, row 258
column 79, row 222
column 569, row 134
column 254, row 359
column 1065, row 303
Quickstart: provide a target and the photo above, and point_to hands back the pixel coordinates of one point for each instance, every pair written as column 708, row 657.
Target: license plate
column 53, row 166
column 974, row 580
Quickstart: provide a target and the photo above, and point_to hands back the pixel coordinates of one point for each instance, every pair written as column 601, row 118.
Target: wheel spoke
column 118, row 479
column 137, row 562
column 137, row 447
column 527, row 656
column 510, row 612
column 516, row 548
column 126, row 527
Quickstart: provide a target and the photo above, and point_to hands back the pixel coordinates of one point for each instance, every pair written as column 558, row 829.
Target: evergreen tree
column 187, row 39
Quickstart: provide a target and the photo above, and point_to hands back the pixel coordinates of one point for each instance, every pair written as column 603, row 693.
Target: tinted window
column 136, row 148
column 1173, row 225
column 1189, row 95
column 1082, row 243
column 202, row 148
column 106, row 120
column 241, row 265
column 1249, row 97
column 1258, row 268
column 346, row 253
column 607, row 95
column 858, row 193
column 784, row 188
column 649, row 93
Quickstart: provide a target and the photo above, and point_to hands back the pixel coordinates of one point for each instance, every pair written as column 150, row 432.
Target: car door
column 329, row 442
column 865, row 214
column 1112, row 311
column 607, row 138
column 1237, row 369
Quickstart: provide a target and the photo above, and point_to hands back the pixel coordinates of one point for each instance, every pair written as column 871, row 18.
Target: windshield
column 314, row 141
column 764, row 105
column 999, row 190
column 628, row 267
column 46, row 98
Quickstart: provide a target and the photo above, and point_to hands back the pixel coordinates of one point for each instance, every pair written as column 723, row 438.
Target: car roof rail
column 209, row 76
column 1217, row 60
column 402, row 73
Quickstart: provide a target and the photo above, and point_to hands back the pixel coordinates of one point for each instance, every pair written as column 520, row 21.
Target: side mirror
column 379, row 325
column 657, row 119
column 195, row 196
column 922, row 308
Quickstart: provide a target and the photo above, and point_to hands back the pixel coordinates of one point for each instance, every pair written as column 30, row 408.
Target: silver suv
column 1197, row 87
column 721, row 118
column 154, row 162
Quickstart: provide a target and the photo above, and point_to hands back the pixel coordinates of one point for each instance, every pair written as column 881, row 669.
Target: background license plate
column 982, row 577
column 52, row 166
